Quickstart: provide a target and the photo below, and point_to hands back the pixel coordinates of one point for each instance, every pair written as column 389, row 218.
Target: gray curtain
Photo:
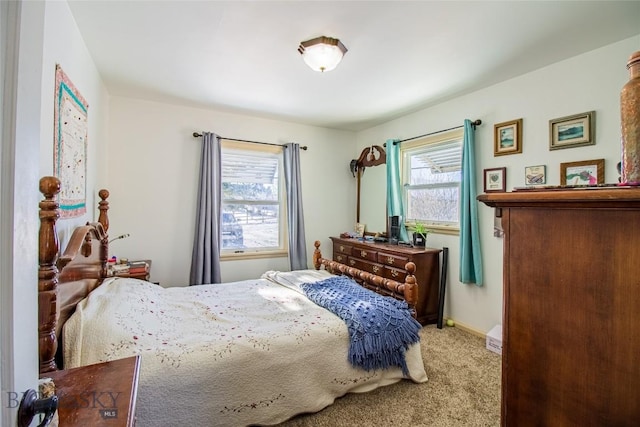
column 295, row 214
column 205, row 258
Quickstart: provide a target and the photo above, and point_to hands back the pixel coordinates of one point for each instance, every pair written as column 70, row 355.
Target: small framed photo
column 495, row 180
column 360, row 227
column 572, row 131
column 535, row 175
column 587, row 172
column 507, row 138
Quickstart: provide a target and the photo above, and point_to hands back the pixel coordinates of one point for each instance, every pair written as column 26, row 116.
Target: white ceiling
column 241, row 56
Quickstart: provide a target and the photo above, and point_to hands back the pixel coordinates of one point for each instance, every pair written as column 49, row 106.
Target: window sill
column 242, row 255
column 444, row 229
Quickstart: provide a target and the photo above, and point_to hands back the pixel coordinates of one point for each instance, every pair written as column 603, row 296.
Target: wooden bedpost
column 411, row 287
column 317, row 255
column 48, row 251
column 103, row 218
column 103, row 206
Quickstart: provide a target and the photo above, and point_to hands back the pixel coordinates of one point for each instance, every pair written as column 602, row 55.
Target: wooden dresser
column 389, row 261
column 103, row 394
column 571, row 320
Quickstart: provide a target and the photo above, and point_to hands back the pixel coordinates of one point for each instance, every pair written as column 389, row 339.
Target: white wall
column 21, row 40
column 591, row 81
column 64, row 45
column 153, row 180
column 41, row 34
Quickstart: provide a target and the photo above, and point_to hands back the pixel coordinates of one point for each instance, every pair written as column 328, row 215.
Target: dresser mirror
column 371, row 173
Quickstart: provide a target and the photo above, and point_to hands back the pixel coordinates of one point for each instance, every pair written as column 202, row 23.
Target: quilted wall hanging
column 70, row 146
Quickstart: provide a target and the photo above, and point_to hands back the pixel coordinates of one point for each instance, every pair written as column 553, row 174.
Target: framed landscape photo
column 535, row 175
column 507, row 138
column 572, row 131
column 495, row 180
column 587, row 172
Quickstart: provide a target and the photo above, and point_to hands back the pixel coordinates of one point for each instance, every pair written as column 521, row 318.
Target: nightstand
column 99, row 394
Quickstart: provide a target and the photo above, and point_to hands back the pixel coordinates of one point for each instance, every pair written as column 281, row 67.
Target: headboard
column 65, row 279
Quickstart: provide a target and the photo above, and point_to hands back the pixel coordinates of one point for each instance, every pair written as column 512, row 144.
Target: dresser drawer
column 340, row 257
column 399, row 275
column 365, row 253
column 342, row 249
column 392, row 260
column 364, row 265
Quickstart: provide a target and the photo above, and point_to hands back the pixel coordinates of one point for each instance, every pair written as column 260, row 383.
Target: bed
column 253, row 352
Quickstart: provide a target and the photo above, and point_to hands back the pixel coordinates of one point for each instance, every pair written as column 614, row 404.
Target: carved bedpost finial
column 103, row 206
column 48, row 252
column 317, row 255
column 49, row 186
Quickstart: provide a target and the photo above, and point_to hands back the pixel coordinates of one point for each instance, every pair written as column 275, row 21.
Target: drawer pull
column 339, row 258
column 341, row 248
column 394, row 273
column 376, row 269
column 352, row 262
column 363, row 254
column 390, row 260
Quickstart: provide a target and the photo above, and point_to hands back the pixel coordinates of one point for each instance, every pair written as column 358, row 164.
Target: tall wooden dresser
column 571, row 320
column 389, row 261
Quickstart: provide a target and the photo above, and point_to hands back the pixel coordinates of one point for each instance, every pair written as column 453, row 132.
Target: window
column 253, row 210
column 432, row 172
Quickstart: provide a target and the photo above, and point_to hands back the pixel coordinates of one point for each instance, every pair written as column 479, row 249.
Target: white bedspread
column 233, row 354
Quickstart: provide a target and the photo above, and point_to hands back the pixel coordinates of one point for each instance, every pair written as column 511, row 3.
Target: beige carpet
column 463, row 390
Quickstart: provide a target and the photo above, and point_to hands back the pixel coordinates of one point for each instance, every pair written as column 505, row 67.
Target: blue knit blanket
column 380, row 328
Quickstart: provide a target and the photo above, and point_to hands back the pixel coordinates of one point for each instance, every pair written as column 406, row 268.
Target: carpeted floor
column 463, row 390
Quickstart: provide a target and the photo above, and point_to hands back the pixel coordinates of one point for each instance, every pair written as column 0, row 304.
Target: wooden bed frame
column 66, row 279
column 407, row 291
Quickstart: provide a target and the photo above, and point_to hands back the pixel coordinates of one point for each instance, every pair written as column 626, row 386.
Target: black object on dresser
column 389, row 261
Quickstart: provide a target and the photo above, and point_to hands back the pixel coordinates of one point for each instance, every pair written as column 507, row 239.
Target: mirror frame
column 374, row 155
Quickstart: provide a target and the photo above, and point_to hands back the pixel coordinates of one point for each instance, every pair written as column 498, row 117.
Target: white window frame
column 251, row 253
column 406, row 149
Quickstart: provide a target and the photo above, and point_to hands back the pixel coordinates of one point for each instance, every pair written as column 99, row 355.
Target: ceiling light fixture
column 322, row 53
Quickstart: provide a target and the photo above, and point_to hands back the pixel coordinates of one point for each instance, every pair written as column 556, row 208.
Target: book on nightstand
column 138, row 267
column 119, row 268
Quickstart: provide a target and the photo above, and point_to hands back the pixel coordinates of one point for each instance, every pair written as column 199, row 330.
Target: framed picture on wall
column 535, row 175
column 495, row 180
column 587, row 172
column 572, row 131
column 507, row 138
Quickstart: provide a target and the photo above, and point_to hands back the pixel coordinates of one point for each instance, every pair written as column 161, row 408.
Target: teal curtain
column 394, row 188
column 470, row 253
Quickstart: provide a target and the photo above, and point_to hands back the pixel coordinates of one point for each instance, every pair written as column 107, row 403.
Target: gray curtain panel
column 295, row 213
column 205, row 258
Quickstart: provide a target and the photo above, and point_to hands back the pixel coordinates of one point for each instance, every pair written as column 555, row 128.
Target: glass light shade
column 322, row 53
